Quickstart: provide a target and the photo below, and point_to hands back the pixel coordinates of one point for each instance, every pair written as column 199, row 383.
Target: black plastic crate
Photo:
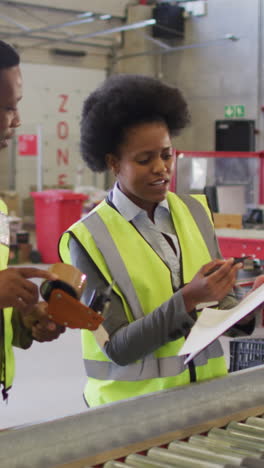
column 246, row 352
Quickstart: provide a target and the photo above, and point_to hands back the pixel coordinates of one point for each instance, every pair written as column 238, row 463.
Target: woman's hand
column 258, row 282
column 212, row 283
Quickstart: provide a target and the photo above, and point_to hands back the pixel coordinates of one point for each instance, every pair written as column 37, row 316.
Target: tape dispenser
column 63, row 298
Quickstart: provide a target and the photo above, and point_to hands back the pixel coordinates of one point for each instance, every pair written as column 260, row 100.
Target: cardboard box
column 24, row 251
column 222, row 220
column 19, row 254
column 11, row 199
column 28, row 206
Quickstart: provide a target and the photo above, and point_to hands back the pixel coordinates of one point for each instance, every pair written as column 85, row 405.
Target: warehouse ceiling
column 80, row 26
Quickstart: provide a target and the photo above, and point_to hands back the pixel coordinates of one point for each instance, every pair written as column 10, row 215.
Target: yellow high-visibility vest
column 150, row 279
column 8, row 363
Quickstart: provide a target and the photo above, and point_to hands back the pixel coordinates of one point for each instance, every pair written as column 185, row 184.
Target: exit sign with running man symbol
column 234, row 111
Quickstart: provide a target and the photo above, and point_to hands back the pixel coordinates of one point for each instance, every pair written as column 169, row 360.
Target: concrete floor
column 49, row 381
column 50, row 378
column 48, row 384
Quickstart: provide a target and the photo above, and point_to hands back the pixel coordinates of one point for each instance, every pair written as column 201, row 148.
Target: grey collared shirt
column 152, row 231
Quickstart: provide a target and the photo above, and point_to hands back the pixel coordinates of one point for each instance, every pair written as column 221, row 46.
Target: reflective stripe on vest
column 8, row 365
column 113, row 259
column 150, row 367
column 119, row 251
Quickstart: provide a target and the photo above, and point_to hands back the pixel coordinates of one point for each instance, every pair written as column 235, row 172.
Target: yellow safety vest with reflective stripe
column 151, row 281
column 8, row 364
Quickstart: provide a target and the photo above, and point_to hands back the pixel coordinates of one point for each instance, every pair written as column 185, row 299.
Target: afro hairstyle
column 121, row 102
column 8, row 56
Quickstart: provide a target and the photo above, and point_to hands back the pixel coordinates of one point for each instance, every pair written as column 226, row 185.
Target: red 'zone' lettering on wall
column 64, row 99
column 62, row 157
column 62, row 130
column 62, row 179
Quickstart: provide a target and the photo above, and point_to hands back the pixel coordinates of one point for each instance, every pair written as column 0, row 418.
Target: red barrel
column 55, row 211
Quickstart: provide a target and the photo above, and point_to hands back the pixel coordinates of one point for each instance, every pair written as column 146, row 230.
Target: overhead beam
column 171, row 50
column 39, row 37
column 15, row 23
column 48, row 6
column 126, row 27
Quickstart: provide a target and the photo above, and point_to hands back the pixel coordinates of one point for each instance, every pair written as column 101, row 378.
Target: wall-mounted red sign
column 27, row 145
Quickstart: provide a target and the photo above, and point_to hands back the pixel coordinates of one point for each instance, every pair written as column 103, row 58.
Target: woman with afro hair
column 154, row 247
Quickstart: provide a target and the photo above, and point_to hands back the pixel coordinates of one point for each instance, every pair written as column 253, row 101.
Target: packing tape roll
column 70, row 279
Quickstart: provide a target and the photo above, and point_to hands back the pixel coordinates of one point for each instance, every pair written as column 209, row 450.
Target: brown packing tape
column 63, row 308
column 70, row 275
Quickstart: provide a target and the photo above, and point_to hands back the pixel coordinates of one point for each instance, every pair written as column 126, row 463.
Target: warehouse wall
column 219, row 73
column 222, row 73
column 53, row 97
column 134, row 42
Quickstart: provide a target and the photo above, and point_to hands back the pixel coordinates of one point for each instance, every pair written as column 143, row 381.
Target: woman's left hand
column 258, row 282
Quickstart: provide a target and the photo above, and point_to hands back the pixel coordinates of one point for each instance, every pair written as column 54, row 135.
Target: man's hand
column 42, row 328
column 15, row 288
column 212, row 283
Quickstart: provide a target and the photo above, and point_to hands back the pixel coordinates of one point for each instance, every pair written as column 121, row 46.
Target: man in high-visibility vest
column 18, row 295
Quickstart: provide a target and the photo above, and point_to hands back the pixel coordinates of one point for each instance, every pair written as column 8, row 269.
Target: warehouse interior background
column 215, row 55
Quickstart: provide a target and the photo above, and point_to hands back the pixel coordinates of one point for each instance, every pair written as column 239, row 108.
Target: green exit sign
column 234, row 111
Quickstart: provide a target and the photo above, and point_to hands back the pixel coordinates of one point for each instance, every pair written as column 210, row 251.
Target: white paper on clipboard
column 212, row 323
